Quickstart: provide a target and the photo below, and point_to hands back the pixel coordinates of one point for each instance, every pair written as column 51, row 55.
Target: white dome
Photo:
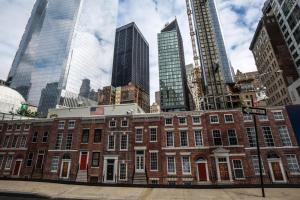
column 10, row 100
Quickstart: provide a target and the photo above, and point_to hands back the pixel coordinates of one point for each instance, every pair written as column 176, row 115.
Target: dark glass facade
column 131, row 58
column 172, row 75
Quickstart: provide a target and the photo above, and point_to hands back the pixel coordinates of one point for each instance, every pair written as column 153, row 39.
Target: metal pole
column 258, row 154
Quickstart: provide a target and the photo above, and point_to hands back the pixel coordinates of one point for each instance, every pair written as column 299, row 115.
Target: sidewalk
column 117, row 193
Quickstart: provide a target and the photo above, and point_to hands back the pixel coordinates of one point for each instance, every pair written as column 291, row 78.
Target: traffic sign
column 254, row 111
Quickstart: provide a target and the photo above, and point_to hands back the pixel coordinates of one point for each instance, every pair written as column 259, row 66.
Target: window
column 168, row 121
column 71, row 124
column 29, row 159
column 9, row 127
column 182, row 120
column 58, row 141
column 183, row 139
column 238, row 169
column 124, row 142
column 186, row 165
column 111, row 142
column 263, row 117
column 124, row 123
column 256, row 165
column 214, row 119
column 6, row 141
column 138, row 135
column 196, row 120
column 85, row 136
column 171, row 165
column 69, row 141
column 198, row 138
column 18, row 127
column 123, row 171
column 95, row 159
column 54, row 164
column 34, row 137
column 8, row 162
column 232, row 137
column 39, row 160
column 1, row 128
column 228, row 118
column 268, row 136
column 14, row 141
column 23, row 141
column 217, row 137
column 26, row 127
column 251, row 136
column 292, row 164
column 153, row 161
column 97, row 135
column 153, row 134
column 61, row 125
column 112, row 124
column 170, row 139
column 1, row 161
column 154, row 181
column 278, row 115
column 45, row 137
column 284, row 136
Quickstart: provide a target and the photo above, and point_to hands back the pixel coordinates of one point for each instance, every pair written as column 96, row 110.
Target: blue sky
column 238, row 18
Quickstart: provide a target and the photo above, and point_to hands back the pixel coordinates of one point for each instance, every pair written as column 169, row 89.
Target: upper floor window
column 29, row 159
column 112, row 124
column 251, row 136
column 85, row 136
column 170, row 139
column 248, row 118
column 124, row 142
column 182, row 120
column 217, row 137
column 124, row 123
column 268, row 137
column 153, row 134
column 45, row 137
column 263, row 117
column 34, row 137
column 69, row 141
column 198, row 138
column 168, row 121
column 139, row 135
column 1, row 127
column 18, row 127
column 71, row 124
column 111, row 142
column 6, row 141
column 228, row 118
column 278, row 115
column 14, row 141
column 58, row 141
column 97, row 135
column 9, row 127
column 27, row 127
column 23, row 141
column 196, row 120
column 284, row 136
column 183, row 139
column 232, row 137
column 61, row 125
column 214, row 119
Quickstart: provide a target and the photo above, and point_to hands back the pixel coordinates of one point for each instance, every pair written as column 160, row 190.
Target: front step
column 81, row 176
column 140, row 178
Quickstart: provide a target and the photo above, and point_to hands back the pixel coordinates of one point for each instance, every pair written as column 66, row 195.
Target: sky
column 238, row 19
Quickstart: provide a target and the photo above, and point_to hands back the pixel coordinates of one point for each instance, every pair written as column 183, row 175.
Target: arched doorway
column 202, row 169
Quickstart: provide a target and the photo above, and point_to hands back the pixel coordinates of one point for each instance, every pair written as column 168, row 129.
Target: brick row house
column 168, row 148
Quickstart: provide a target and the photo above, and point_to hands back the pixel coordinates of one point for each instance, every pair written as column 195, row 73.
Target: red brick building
column 167, row 148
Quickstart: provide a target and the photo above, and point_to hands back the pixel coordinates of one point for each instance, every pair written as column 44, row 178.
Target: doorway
column 139, row 161
column 17, row 168
column 83, row 161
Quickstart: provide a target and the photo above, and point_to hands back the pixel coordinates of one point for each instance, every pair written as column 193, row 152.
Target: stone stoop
column 140, row 178
column 81, row 176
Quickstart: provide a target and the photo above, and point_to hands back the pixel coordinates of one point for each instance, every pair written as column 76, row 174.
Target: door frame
column 61, row 168
column 140, row 171
column 278, row 160
column 115, row 158
column 228, row 167
column 206, row 168
column 87, row 159
column 19, row 167
column 43, row 154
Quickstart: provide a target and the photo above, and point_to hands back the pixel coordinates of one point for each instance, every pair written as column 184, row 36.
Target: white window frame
column 58, row 139
column 263, row 118
column 172, row 139
column 17, row 140
column 8, row 163
column 110, row 125
column 234, row 168
column 166, row 121
column 108, row 141
column 6, row 142
column 213, row 137
column 279, row 117
column 142, row 137
column 185, row 120
column 150, row 134
column 52, row 166
column 235, row 135
column 18, row 127
column 189, row 163
column 69, row 140
column 73, row 122
column 201, row 138
column 264, row 135
column 196, row 123
column 1, row 160
column 210, row 119
column 26, row 127
column 124, row 120
column 9, row 129
column 126, row 170
column 284, row 136
column 254, row 168
column 88, row 138
column 186, row 138
column 150, row 158
column 99, row 160
column 61, row 125
column 21, row 142
column 174, row 163
column 294, row 163
column 126, row 135
column 228, row 122
column 45, row 137
column 247, row 118
column 253, row 136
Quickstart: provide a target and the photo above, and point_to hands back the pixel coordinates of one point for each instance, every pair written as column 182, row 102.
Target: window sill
column 153, row 141
column 123, row 149
column 295, row 173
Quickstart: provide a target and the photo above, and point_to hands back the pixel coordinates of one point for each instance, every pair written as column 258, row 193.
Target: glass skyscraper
column 66, row 50
column 172, row 75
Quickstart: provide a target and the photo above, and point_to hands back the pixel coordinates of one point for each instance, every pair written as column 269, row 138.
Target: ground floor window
column 95, row 159
column 238, row 169
column 154, row 181
column 292, row 163
column 186, row 165
column 54, row 164
column 9, row 162
column 153, row 161
column 255, row 164
column 171, row 165
column 29, row 159
column 123, row 171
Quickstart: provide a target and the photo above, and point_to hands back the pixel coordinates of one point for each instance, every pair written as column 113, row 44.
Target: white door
column 139, row 161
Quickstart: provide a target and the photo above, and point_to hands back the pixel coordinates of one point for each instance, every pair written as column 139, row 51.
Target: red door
column 83, row 161
column 202, row 172
column 17, row 168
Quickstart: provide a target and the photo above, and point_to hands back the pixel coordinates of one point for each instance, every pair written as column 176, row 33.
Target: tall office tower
column 287, row 14
column 216, row 67
column 273, row 60
column 131, row 58
column 172, row 75
column 66, row 45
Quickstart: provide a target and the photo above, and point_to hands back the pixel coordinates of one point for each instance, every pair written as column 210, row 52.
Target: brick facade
column 168, row 148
